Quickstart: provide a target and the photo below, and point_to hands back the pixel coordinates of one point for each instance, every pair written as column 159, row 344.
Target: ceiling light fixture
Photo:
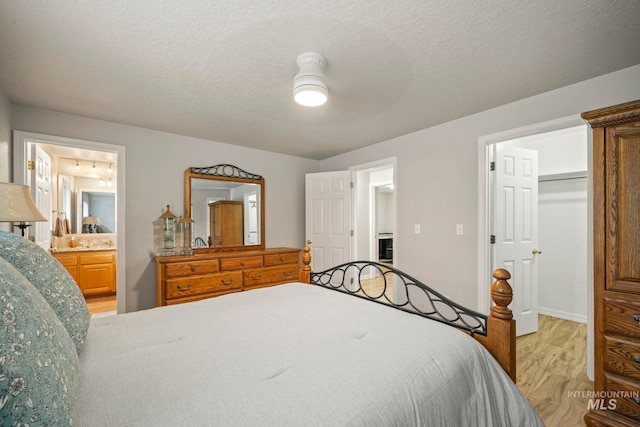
column 77, row 165
column 94, row 166
column 110, row 168
column 310, row 85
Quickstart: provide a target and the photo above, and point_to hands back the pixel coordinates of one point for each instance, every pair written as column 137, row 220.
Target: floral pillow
column 52, row 280
column 38, row 360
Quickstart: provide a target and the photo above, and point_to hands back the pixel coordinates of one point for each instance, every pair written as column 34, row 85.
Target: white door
column 516, row 229
column 41, row 192
column 328, row 218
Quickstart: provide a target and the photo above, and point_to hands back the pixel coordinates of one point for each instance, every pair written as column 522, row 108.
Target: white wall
column 155, row 165
column 559, row 151
column 5, row 147
column 563, row 241
column 5, row 139
column 363, row 223
column 384, row 212
column 437, row 178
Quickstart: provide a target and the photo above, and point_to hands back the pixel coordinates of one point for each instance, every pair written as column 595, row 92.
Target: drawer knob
column 256, row 276
column 281, row 259
column 636, row 317
column 287, row 273
column 181, row 289
column 193, row 268
column 224, row 282
column 636, row 359
column 242, row 263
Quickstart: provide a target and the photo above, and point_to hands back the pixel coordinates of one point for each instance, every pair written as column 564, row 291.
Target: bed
column 296, row 354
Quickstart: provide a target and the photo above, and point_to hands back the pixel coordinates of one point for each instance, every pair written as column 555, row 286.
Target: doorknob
column 536, row 251
column 308, row 242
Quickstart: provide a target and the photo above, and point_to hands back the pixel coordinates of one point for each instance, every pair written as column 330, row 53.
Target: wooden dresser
column 616, row 188
column 182, row 279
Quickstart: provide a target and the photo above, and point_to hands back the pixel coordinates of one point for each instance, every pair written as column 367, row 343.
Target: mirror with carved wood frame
column 223, row 201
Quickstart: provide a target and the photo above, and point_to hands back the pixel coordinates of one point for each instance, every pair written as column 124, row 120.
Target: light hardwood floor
column 551, row 363
column 376, row 287
column 101, row 304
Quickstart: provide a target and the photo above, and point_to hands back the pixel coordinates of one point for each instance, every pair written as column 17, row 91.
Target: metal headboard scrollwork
column 412, row 296
column 230, row 171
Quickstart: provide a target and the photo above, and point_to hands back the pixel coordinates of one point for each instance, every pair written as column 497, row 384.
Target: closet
column 616, row 227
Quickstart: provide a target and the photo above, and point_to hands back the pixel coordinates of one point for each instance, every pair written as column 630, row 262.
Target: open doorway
column 86, row 209
column 351, row 216
column 341, row 223
column 383, row 221
column 374, row 210
column 565, row 198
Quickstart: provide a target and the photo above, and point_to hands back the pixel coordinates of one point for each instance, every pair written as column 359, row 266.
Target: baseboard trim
column 563, row 315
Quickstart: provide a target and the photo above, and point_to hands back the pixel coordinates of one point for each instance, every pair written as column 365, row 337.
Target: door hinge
column 351, row 185
column 351, row 233
column 351, row 280
column 30, row 165
column 492, row 166
column 492, row 239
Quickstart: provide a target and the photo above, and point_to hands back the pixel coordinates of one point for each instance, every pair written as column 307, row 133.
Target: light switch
column 417, row 229
column 459, row 229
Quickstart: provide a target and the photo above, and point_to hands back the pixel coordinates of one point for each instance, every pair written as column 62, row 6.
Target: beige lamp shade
column 90, row 220
column 17, row 205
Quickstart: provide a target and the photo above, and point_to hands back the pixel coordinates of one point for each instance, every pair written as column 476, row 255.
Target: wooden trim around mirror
column 225, row 172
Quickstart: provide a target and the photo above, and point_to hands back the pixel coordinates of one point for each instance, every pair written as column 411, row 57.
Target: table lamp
column 16, row 205
column 90, row 224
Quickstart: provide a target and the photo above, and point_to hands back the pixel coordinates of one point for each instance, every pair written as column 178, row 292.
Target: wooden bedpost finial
column 306, row 264
column 306, row 258
column 502, row 295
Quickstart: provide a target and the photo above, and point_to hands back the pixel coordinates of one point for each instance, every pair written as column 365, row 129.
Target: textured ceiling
column 223, row 70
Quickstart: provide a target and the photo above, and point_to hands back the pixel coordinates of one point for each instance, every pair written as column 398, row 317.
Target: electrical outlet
column 459, row 229
column 416, row 229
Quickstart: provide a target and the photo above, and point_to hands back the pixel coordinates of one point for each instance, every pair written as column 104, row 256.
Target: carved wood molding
column 614, row 115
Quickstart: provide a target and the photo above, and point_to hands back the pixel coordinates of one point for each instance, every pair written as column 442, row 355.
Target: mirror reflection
column 225, row 213
column 96, row 211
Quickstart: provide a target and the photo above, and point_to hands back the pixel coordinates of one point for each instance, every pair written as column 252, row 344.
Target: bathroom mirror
column 95, row 204
column 226, row 204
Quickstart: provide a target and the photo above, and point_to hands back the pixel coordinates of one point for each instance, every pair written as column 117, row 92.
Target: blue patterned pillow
column 38, row 360
column 52, row 280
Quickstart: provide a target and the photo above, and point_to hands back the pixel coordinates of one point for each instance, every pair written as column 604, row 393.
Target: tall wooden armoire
column 616, row 197
column 226, row 224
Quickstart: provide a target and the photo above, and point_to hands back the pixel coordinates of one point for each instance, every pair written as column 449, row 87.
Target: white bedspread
column 291, row 355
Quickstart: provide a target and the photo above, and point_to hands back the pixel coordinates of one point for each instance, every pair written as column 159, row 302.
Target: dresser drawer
column 228, row 264
column 622, row 357
column 619, row 318
column 178, row 288
column 278, row 259
column 191, row 268
column 266, row 276
column 625, row 394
